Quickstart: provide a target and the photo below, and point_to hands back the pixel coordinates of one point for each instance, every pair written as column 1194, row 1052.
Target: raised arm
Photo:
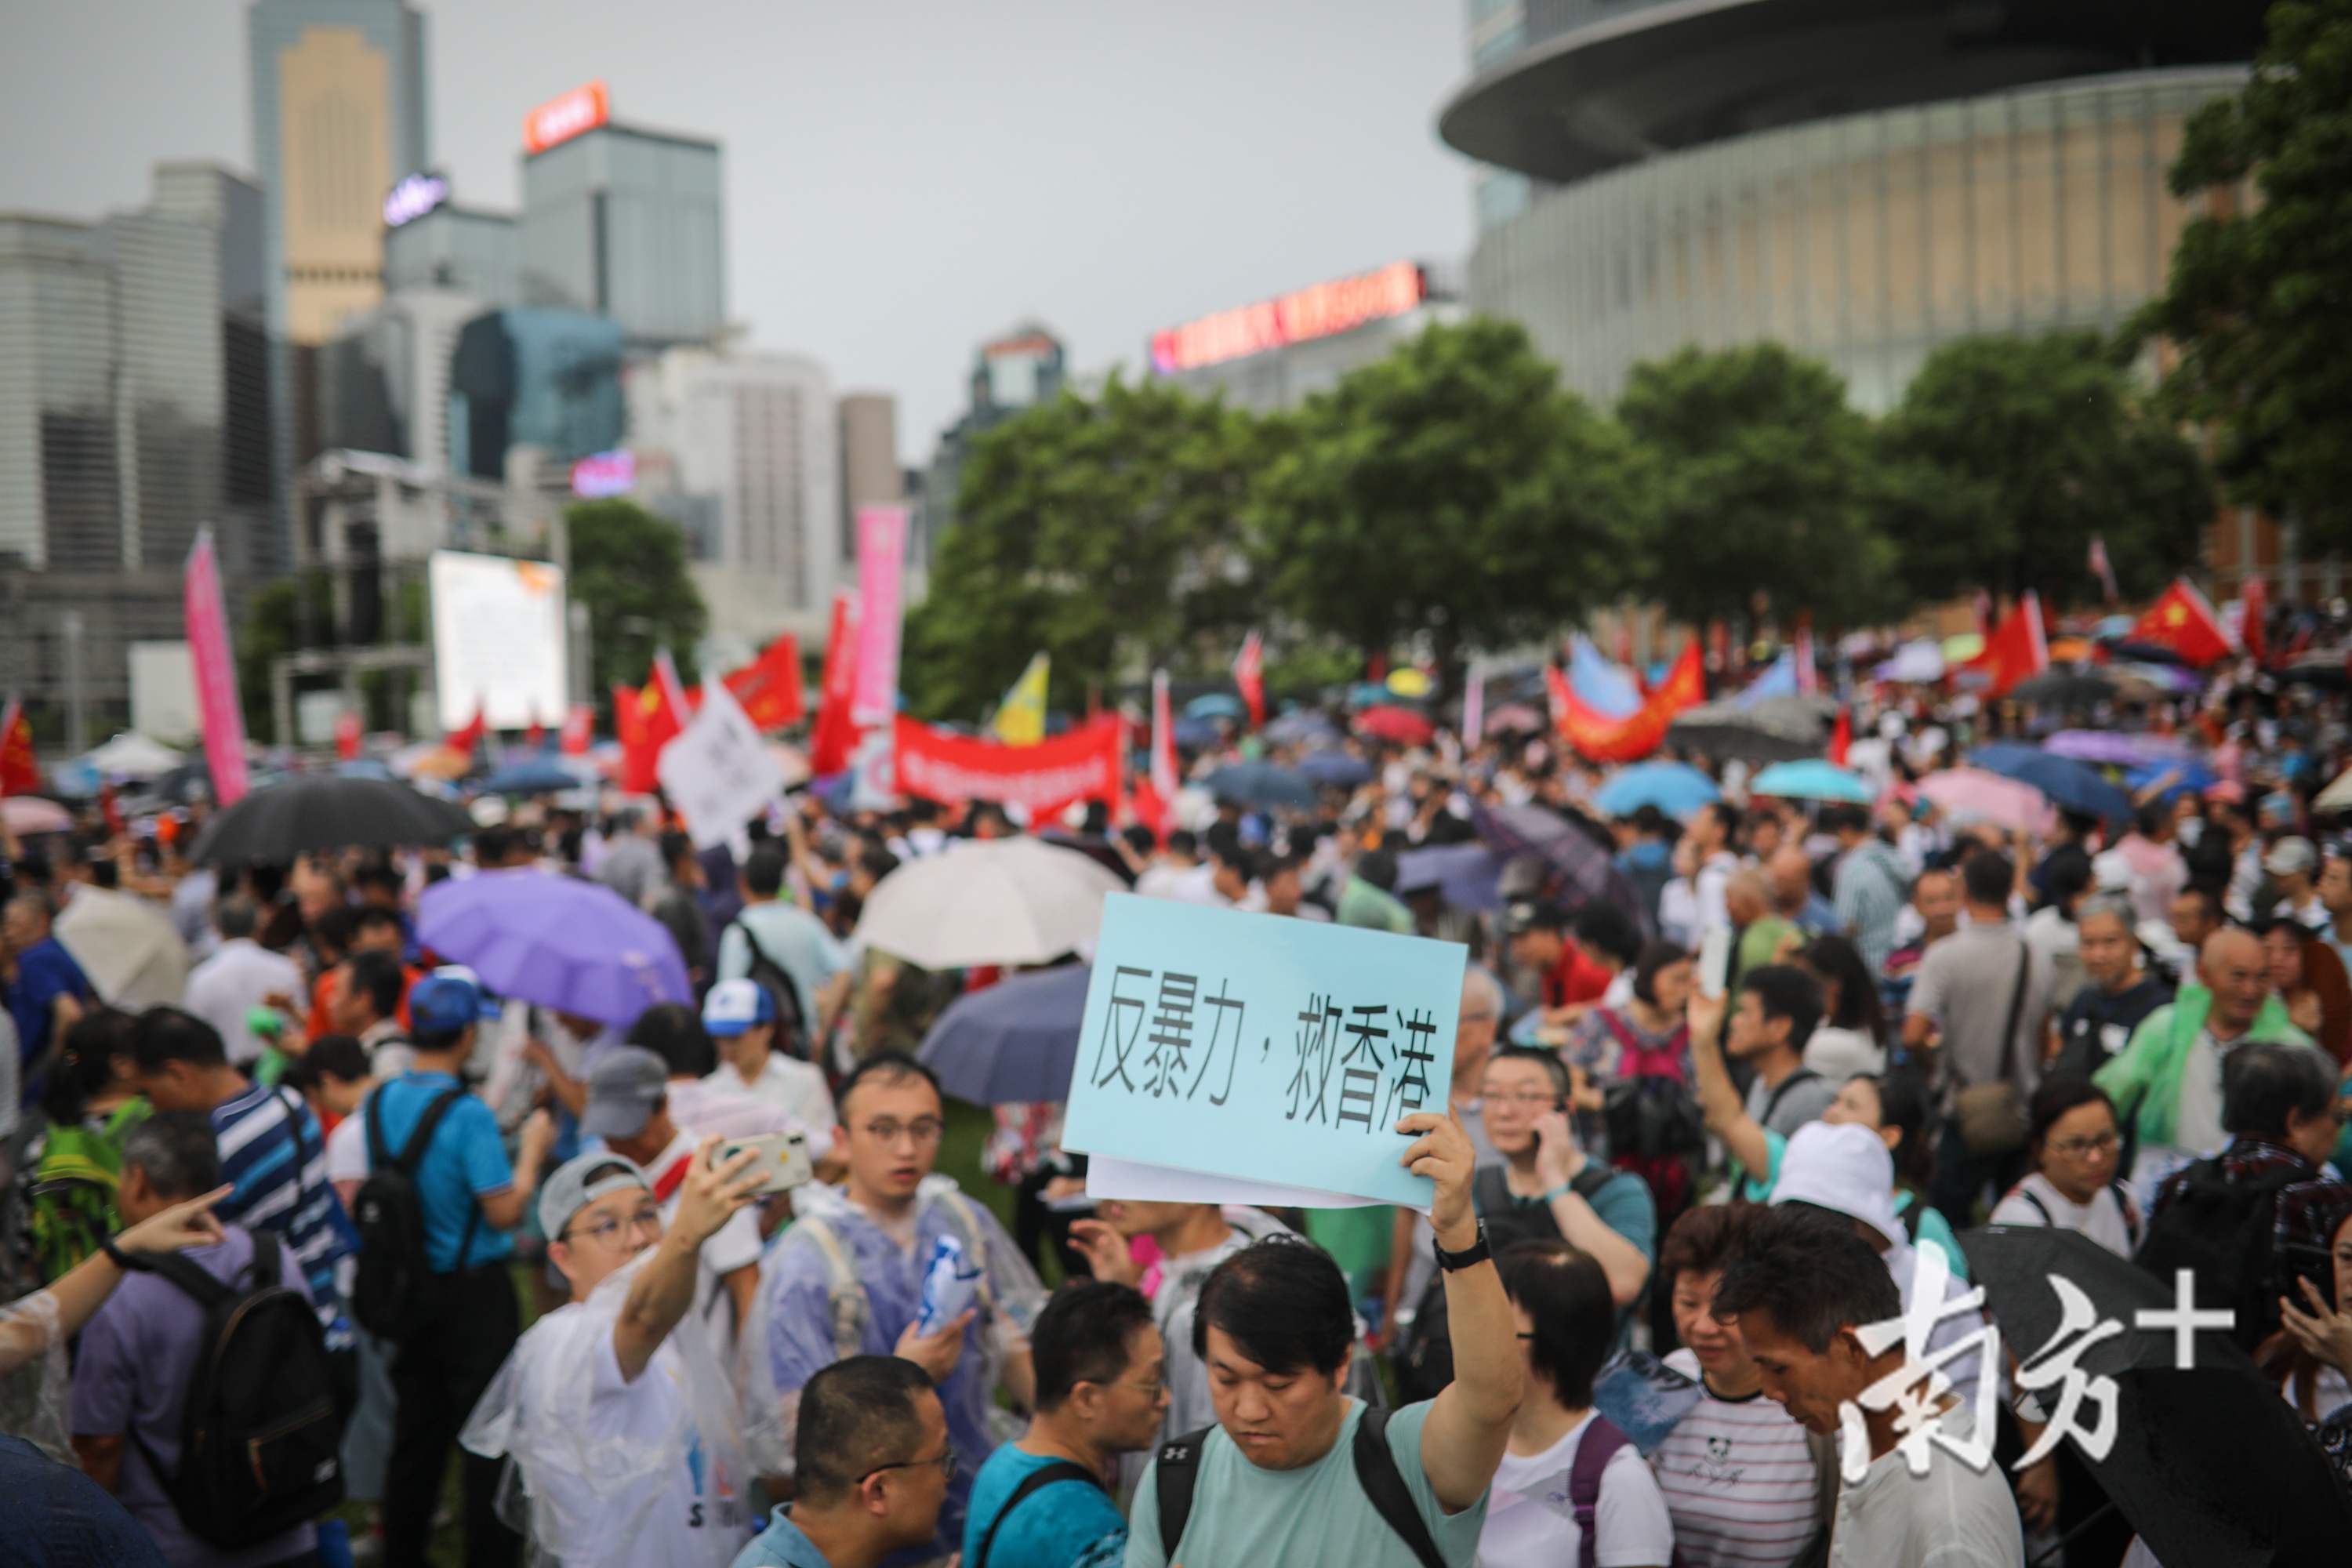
column 664, row 1287
column 1461, row 1442
column 1718, row 1101
column 1559, row 1162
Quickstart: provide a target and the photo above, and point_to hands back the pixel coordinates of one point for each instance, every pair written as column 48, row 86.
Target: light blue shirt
column 781, row 1545
column 1063, row 1524
column 795, row 940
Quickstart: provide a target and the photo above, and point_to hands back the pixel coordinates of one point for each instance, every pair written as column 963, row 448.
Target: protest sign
column 937, row 764
column 207, row 624
column 1247, row 1047
column 718, row 772
column 881, row 566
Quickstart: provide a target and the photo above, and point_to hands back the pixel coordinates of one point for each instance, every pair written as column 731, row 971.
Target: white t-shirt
column 1955, row 1516
column 793, row 1087
column 2101, row 1220
column 347, row 1151
column 1738, row 1479
column 1838, row 1054
column 1529, row 1521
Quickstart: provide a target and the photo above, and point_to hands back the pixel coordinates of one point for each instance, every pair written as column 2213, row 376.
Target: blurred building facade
column 1025, row 367
column 543, row 379
column 463, row 249
column 1275, row 354
column 134, row 410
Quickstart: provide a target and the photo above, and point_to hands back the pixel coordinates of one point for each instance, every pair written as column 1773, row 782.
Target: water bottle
column 950, row 1281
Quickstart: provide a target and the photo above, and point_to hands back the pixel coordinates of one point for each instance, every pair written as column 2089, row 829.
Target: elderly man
column 1794, row 898
column 2172, row 1068
column 240, row 976
column 2097, row 1024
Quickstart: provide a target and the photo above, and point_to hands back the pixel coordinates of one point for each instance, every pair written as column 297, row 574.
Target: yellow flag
column 1021, row 717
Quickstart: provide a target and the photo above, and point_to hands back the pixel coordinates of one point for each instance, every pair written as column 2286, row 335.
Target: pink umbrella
column 1401, row 725
column 29, row 814
column 1972, row 794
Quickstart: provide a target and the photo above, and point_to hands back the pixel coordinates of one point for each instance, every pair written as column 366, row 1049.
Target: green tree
column 1452, row 491
column 628, row 566
column 274, row 627
column 2259, row 303
column 1761, row 479
column 2008, row 455
column 1104, row 531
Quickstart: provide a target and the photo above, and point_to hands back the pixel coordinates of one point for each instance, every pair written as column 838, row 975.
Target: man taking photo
column 1287, row 1475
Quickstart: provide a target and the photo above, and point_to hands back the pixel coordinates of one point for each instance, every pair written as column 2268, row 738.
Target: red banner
column 937, row 764
column 579, row 730
column 347, row 735
column 20, row 772
column 1249, row 674
column 2184, row 622
column 1601, row 738
column 836, row 740
column 768, row 687
column 216, row 704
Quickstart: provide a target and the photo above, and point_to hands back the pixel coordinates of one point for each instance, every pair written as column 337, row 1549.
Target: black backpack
column 392, row 1291
column 1179, row 1472
column 2222, row 1231
column 792, row 1028
column 1424, row 1349
column 261, row 1438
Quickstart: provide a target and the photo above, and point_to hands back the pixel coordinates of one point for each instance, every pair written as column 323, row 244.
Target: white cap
column 1847, row 1169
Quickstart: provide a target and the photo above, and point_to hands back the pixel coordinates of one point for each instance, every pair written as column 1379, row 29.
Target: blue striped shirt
column 257, row 1132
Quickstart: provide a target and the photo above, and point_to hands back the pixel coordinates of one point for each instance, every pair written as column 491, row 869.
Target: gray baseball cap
column 581, row 1181
column 625, row 1084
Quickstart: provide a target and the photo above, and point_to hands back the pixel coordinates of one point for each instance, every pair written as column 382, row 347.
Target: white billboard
column 163, row 691
column 498, row 630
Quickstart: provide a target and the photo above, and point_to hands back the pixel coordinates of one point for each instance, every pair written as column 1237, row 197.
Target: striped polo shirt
column 1739, row 1480
column 259, row 1131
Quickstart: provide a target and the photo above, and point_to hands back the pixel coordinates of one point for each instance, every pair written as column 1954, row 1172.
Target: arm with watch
column 1463, row 1439
column 78, row 1294
column 1558, row 1163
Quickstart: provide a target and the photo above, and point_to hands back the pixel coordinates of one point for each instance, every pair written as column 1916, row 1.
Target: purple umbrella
column 2113, row 747
column 577, row 947
column 1467, row 876
column 1580, row 866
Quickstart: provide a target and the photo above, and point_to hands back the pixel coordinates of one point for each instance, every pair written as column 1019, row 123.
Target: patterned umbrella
column 1580, row 868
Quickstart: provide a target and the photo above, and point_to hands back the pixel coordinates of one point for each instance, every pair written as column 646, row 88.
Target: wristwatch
column 1469, row 1257
column 115, row 1253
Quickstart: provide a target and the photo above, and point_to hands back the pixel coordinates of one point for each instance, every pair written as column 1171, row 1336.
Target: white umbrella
column 133, row 756
column 127, row 946
column 2336, row 796
column 1008, row 901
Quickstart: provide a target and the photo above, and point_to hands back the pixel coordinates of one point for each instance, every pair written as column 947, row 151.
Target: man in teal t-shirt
column 1102, row 1389
column 1275, row 1479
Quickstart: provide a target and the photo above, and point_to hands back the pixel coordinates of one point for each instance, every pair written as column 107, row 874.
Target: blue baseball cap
column 736, row 1006
column 448, row 1000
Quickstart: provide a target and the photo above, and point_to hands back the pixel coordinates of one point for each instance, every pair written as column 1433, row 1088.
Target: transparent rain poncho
column 603, row 1475
column 35, row 1384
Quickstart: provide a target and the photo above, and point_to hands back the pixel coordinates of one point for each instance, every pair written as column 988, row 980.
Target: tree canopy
column 2259, row 303
column 628, row 566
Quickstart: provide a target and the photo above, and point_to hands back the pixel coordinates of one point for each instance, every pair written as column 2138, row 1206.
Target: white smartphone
column 1714, row 962
column 781, row 1158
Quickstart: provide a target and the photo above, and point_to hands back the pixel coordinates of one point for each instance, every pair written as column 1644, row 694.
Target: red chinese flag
column 648, row 719
column 1841, row 737
column 768, row 687
column 836, row 740
column 2184, row 622
column 535, row 736
column 463, row 742
column 2018, row 649
column 20, row 772
column 1249, row 674
column 1602, row 739
column 579, row 729
column 347, row 735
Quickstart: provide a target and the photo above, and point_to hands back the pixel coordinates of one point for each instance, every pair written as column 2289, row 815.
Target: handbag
column 1992, row 1115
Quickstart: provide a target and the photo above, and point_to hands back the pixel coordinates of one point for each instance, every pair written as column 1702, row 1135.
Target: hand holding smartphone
column 781, row 1160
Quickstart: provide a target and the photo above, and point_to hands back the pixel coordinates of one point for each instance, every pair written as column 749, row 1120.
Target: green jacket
column 2144, row 1078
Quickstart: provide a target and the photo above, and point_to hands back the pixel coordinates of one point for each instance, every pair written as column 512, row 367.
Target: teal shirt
column 1315, row 1517
column 1932, row 1227
column 1062, row 1524
column 781, row 1545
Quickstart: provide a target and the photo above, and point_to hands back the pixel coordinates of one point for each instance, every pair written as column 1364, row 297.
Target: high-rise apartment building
column 1023, row 367
column 623, row 222
column 383, row 382
column 454, row 247
column 870, row 474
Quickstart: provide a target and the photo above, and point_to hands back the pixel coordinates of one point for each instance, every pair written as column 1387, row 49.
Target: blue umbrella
column 1370, row 694
column 1017, row 1040
column 1302, row 727
column 531, row 776
column 1336, row 770
column 1676, row 788
column 1193, row 735
column 1216, row 705
column 2188, row 773
column 1467, row 876
column 2070, row 785
column 364, row 768
column 1814, row 779
column 1263, row 784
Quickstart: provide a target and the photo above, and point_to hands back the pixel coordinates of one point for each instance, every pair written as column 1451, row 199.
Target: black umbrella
column 1263, row 784
column 2210, row 1464
column 318, row 812
column 1578, row 864
column 1775, row 729
column 2066, row 689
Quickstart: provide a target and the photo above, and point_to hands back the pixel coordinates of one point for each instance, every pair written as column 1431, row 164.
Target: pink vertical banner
column 215, row 673
column 881, row 573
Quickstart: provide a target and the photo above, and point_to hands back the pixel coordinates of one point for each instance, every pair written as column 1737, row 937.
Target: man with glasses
column 1410, row 1268
column 1102, row 1388
column 620, row 1430
column 847, row 1278
column 877, row 1470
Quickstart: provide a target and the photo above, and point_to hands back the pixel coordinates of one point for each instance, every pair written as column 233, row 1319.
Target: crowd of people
column 1705, row 1127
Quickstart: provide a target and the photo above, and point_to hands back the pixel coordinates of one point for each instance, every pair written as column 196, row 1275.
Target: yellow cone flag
column 1021, row 717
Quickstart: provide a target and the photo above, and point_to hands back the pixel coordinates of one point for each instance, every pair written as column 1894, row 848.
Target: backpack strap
column 1035, row 1481
column 2030, row 1196
column 1174, row 1475
column 1591, row 1179
column 2131, row 1216
column 186, row 1277
column 1802, row 1075
column 1593, row 1451
column 1490, row 1190
column 844, row 1296
column 1383, row 1484
column 413, row 1155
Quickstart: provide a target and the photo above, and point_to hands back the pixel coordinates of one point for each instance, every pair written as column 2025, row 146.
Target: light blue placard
column 1264, row 1048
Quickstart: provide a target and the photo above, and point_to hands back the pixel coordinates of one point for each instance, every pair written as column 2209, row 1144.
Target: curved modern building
column 1860, row 179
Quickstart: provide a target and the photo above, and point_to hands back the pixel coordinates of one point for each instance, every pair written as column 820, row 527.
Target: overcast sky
column 903, row 179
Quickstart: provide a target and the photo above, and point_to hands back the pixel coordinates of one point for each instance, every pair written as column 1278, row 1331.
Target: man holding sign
column 1297, row 1472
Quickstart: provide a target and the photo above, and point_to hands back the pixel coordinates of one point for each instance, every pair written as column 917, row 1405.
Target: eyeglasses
column 1149, row 1387
column 924, row 1129
column 946, row 1461
column 1528, row 1101
column 2075, row 1148
column 606, row 1229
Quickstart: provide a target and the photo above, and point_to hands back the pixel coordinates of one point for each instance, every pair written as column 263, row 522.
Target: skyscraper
column 338, row 115
column 624, row 222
